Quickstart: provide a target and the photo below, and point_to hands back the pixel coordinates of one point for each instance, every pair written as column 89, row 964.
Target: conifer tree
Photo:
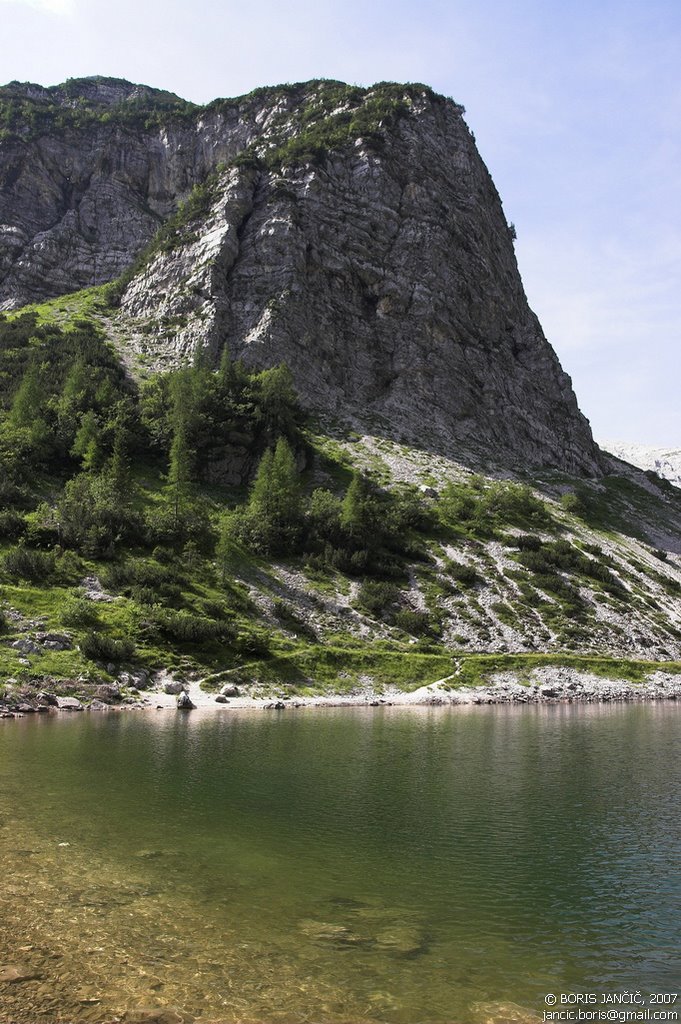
column 87, row 445
column 359, row 512
column 28, row 401
column 274, row 511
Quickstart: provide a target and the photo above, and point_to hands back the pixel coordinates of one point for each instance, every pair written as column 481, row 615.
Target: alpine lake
column 398, row 865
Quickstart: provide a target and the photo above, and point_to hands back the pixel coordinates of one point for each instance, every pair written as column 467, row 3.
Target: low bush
column 462, row 572
column 78, row 611
column 97, row 646
column 12, row 523
column 26, row 564
column 375, row 597
column 415, row 622
column 187, row 628
column 528, row 542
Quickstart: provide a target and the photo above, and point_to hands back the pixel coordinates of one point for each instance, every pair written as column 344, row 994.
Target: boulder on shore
column 184, row 702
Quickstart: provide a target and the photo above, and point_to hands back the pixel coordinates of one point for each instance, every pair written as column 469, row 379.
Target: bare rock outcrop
column 355, row 235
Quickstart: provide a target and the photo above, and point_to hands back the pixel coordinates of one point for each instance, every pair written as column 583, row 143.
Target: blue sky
column 576, row 107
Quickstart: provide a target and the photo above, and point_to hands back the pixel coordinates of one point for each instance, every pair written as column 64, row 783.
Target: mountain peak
column 353, row 234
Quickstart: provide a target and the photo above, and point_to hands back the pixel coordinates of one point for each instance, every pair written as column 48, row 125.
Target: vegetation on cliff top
column 28, row 112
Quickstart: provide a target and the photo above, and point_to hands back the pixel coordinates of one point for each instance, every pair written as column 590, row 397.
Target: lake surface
column 397, row 865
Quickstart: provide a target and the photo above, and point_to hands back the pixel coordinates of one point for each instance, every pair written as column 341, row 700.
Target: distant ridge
column 666, row 462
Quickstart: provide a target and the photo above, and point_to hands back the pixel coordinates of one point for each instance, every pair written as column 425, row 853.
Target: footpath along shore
column 548, row 685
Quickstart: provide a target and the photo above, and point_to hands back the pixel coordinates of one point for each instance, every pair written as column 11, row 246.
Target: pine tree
column 28, row 401
column 274, row 513
column 359, row 513
column 119, row 467
column 180, row 469
column 87, row 445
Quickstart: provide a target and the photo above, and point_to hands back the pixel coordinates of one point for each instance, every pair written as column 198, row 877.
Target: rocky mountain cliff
column 354, row 234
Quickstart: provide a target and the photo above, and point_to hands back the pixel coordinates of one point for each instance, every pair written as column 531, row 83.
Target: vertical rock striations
column 354, row 234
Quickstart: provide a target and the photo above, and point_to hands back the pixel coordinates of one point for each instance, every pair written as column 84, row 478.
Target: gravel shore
column 554, row 685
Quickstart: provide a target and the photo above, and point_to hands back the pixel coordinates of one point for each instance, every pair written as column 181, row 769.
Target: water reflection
column 387, row 864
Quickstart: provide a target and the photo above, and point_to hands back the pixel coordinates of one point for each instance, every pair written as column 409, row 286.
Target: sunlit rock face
column 376, row 261
column 666, row 462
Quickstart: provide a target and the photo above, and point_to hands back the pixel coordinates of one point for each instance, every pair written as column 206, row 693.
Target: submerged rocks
column 15, row 973
column 503, row 1012
column 388, row 930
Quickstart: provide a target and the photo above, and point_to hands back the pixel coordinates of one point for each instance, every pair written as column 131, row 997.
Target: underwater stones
column 336, row 934
column 503, row 1012
column 14, row 973
column 380, row 932
column 156, row 1016
column 402, row 940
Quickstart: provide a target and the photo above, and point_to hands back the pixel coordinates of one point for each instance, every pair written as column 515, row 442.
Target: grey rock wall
column 382, row 273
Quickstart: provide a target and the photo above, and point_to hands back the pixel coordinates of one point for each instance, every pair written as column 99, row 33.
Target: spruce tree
column 274, row 513
column 87, row 445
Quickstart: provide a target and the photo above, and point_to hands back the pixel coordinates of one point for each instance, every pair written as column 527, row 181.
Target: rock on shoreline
column 548, row 685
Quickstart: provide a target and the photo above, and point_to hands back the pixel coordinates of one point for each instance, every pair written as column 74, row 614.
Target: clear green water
column 416, row 865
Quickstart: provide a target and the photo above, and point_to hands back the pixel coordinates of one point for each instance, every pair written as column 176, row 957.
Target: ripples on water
column 398, row 865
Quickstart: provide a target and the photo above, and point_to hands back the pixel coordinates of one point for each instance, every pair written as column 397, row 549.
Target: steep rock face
column 89, row 171
column 375, row 261
column 387, row 282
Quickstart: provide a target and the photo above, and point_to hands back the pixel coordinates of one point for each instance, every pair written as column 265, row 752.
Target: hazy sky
column 575, row 104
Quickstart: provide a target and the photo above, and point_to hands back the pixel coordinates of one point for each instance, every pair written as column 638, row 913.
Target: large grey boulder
column 185, row 703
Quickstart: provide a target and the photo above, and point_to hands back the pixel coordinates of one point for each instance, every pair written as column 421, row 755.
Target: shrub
column 69, row 567
column 12, row 524
column 528, row 542
column 573, row 504
column 253, row 644
column 26, row 564
column 416, row 623
column 78, row 611
column 144, row 595
column 291, row 621
column 375, row 596
column 462, row 573
column 97, row 646
column 216, row 610
column 185, row 627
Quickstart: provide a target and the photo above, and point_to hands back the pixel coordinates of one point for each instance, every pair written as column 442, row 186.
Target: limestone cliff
column 354, row 234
